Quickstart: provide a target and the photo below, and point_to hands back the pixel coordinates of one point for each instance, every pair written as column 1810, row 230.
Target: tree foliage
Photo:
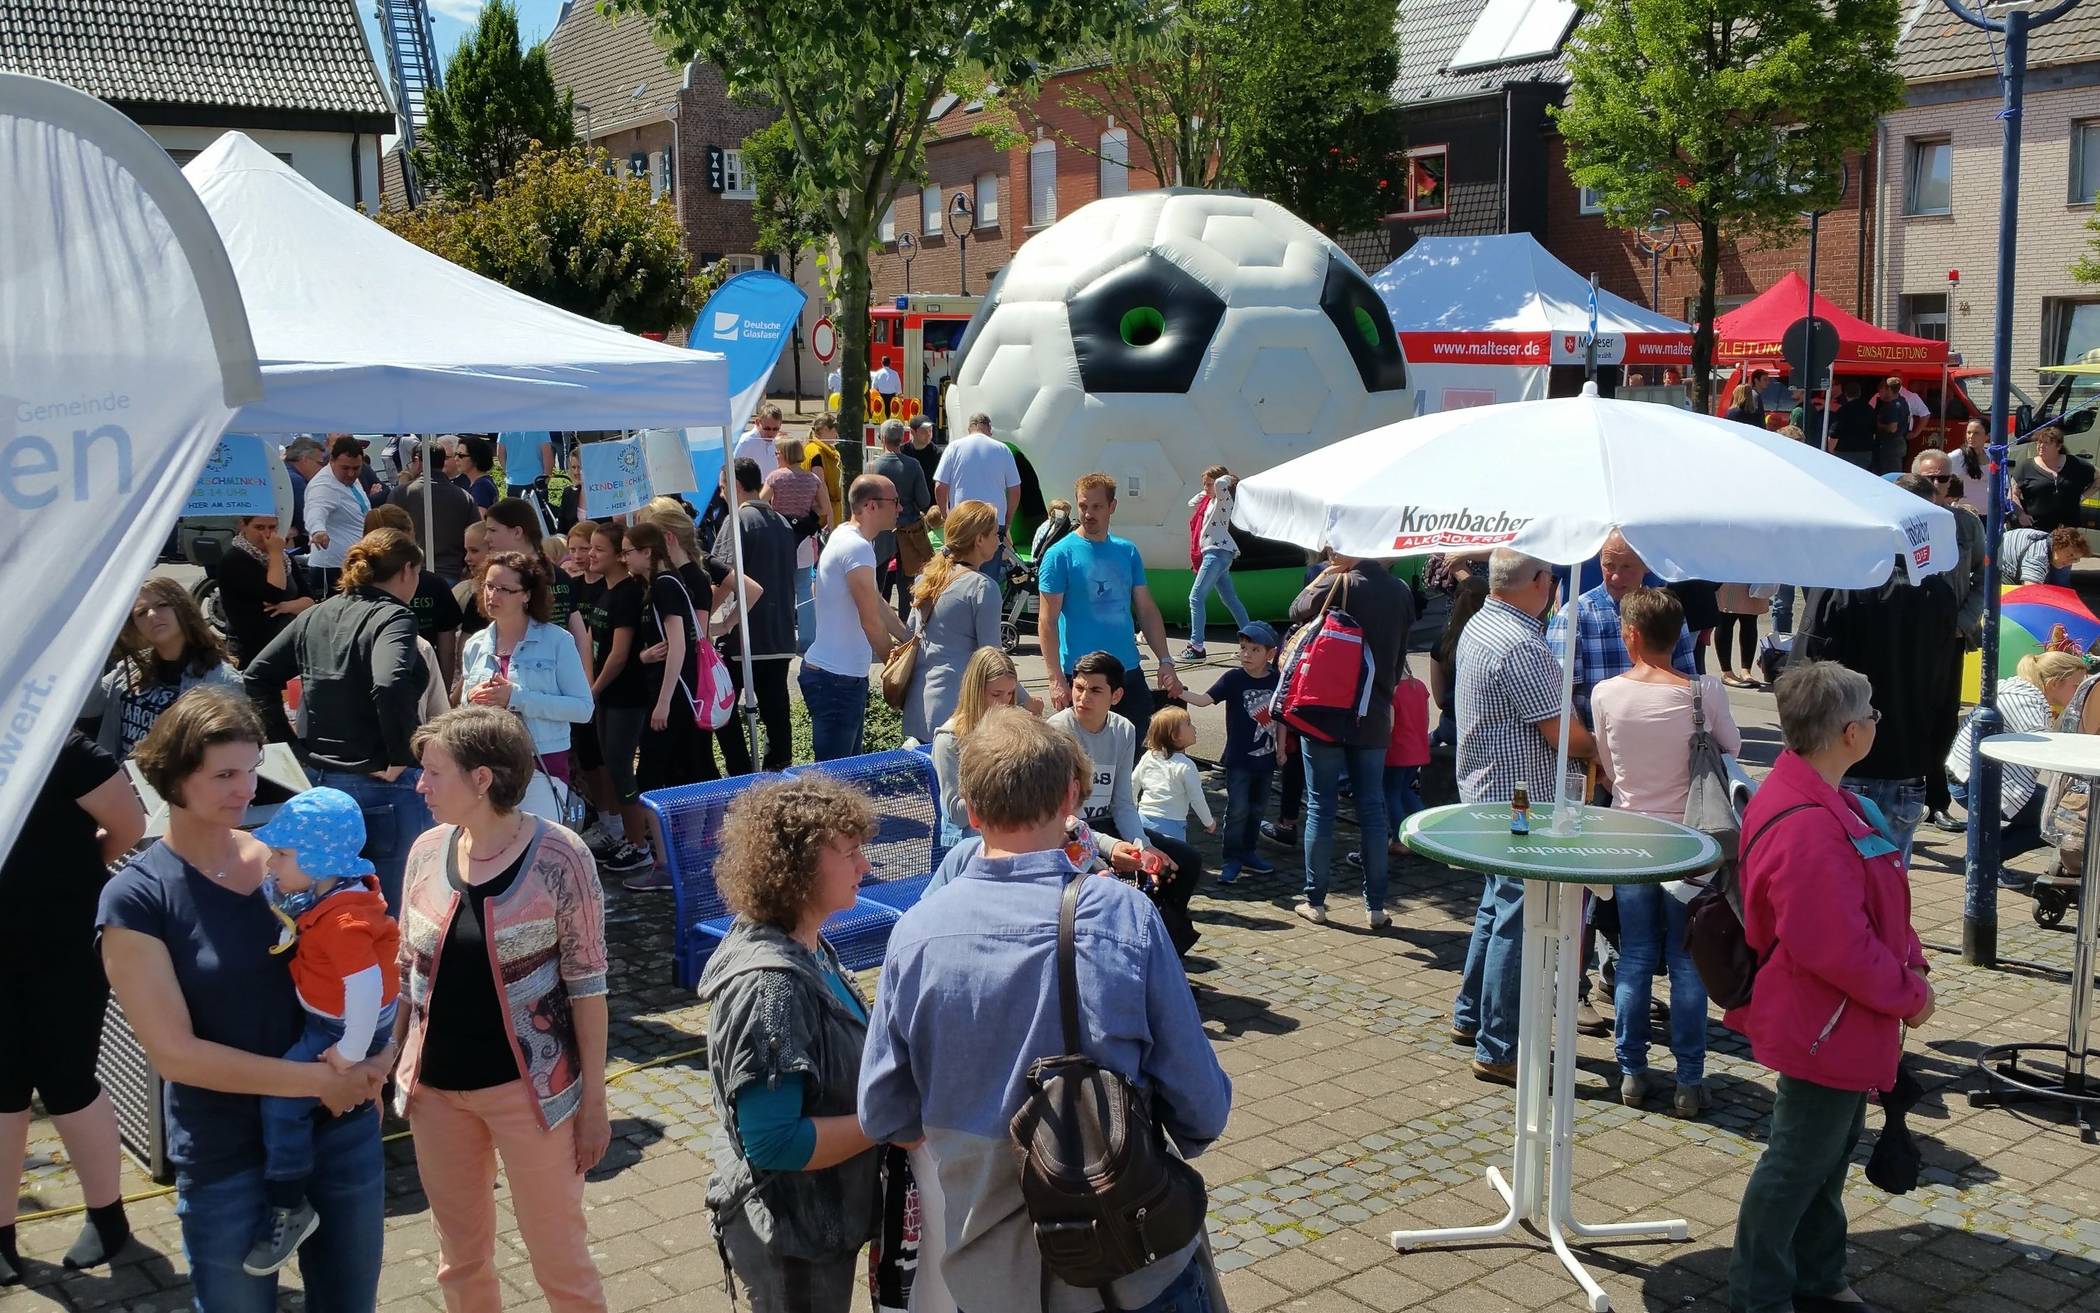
column 1733, row 115
column 565, row 228
column 2086, row 268
column 497, row 102
column 790, row 216
column 856, row 85
column 1288, row 99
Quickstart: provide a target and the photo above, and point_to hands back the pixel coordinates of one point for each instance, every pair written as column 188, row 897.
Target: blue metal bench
column 907, row 847
column 691, row 817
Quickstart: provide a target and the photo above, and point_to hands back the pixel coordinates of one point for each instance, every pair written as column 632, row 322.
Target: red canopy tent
column 1752, row 334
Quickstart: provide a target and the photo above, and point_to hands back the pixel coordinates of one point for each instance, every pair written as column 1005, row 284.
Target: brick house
column 1939, row 161
column 295, row 75
column 1014, row 193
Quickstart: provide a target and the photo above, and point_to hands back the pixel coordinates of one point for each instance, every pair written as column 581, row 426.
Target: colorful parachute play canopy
column 2029, row 616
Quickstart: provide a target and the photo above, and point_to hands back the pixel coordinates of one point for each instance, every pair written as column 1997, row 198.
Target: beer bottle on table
column 1520, row 810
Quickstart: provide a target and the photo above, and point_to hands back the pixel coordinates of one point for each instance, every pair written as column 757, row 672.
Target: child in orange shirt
column 344, row 948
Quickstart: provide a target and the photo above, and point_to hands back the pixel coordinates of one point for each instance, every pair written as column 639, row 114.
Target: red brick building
column 1067, row 159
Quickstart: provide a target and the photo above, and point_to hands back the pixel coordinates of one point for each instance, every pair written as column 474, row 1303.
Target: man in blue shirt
column 1093, row 598
column 1600, row 653
column 968, row 1002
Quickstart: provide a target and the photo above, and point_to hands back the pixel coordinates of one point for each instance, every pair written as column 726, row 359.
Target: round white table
column 1612, row 848
column 2066, row 754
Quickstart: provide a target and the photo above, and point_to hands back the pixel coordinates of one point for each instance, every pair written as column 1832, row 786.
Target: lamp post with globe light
column 962, row 217
column 907, row 247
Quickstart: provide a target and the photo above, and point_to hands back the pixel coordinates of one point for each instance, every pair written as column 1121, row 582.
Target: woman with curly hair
column 165, row 649
column 794, row 1193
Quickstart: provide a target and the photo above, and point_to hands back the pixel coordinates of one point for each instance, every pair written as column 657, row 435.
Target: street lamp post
column 1979, row 915
column 907, row 247
column 1660, row 235
column 962, row 218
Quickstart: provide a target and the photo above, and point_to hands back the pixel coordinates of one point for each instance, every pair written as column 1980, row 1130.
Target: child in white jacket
column 1168, row 785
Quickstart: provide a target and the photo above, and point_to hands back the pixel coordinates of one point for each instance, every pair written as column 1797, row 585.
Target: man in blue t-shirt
column 1093, row 598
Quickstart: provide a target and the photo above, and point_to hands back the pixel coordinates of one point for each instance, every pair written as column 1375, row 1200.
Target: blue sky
column 450, row 20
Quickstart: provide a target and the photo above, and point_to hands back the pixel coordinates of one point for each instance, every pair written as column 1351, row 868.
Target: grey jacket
column 1967, row 578
column 774, row 1016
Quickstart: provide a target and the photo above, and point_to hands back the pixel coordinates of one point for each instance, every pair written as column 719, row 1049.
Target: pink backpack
column 714, row 697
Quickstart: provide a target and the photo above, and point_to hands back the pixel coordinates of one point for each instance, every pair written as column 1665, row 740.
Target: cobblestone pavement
column 1353, row 1115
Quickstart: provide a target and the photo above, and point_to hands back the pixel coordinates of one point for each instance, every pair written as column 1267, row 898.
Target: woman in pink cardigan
column 503, row 1035
column 1826, row 907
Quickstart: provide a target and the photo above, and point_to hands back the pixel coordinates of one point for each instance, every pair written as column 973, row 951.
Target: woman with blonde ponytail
column 955, row 611
column 361, row 681
column 2028, row 703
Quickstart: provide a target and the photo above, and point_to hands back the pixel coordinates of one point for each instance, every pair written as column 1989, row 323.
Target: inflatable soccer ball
column 1153, row 335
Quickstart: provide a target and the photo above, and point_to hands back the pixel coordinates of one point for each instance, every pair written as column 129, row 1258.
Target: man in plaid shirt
column 1600, row 653
column 1508, row 704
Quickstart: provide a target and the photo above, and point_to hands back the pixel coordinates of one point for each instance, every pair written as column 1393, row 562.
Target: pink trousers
column 459, row 1135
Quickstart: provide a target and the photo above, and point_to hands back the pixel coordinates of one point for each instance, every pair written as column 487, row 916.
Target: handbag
column 1708, row 807
column 914, row 549
column 564, row 803
column 897, row 669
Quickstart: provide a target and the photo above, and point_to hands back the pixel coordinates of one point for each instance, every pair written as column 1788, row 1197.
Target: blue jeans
column 1178, row 831
column 1215, row 572
column 395, row 815
column 1403, row 796
column 1782, row 610
column 805, row 609
column 1651, row 930
column 288, row 1124
column 2021, row 833
column 339, row 1265
column 1325, row 764
column 838, row 712
column 1246, row 798
column 1487, row 992
column 1902, row 804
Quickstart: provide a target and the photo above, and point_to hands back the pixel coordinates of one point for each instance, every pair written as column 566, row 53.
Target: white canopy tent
column 358, row 330
column 1481, row 320
column 123, row 353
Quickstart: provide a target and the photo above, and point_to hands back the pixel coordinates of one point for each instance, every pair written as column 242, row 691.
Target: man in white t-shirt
column 756, row 442
column 854, row 628
column 979, row 467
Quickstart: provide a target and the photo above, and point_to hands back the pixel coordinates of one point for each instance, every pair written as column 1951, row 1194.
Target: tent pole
column 1567, row 686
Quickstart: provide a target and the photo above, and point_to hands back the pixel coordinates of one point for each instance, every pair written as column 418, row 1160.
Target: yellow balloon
column 834, row 401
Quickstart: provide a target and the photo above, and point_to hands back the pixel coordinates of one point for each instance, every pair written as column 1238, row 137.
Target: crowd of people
column 486, row 687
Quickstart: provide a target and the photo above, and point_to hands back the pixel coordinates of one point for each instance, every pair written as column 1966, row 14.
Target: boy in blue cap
column 344, row 948
column 1252, row 746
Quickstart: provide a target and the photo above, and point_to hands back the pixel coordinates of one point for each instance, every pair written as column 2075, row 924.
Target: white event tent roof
column 360, row 331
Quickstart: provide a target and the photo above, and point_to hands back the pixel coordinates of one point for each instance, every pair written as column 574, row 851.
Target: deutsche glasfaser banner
column 749, row 320
column 102, row 434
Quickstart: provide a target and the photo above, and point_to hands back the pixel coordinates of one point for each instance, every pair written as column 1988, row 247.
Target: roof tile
column 1937, row 46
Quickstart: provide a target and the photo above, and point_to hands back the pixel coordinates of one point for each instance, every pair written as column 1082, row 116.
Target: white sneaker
column 1316, row 915
column 1380, row 920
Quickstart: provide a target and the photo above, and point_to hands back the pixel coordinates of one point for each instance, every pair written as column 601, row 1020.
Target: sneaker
column 1354, row 859
column 599, row 842
column 1495, row 1073
column 1193, row 652
column 1313, row 912
column 655, row 880
column 1228, row 873
column 1589, row 1021
column 627, row 857
column 1689, row 1101
column 1255, row 864
column 287, row 1229
column 1633, row 1088
column 1380, row 921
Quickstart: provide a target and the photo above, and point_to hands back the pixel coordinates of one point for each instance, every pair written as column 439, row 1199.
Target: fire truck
column 917, row 336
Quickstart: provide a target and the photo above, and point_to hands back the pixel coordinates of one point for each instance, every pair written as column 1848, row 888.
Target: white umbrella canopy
column 1697, row 497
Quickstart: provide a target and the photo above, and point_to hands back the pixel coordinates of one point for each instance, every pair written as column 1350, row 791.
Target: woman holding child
column 187, row 935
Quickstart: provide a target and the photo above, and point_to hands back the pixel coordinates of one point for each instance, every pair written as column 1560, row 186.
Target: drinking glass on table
column 1567, row 806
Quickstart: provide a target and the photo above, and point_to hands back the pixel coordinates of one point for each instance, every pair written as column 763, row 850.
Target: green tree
column 2086, row 268
column 790, row 219
column 856, row 86
column 1287, row 99
column 1733, row 115
column 564, row 227
column 498, row 101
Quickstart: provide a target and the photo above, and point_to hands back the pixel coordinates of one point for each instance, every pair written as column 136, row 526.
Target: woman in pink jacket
column 1826, row 907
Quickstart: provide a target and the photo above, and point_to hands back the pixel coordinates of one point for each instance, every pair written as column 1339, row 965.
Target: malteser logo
column 1421, row 528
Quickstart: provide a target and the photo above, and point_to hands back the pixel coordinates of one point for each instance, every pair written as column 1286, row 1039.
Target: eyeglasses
column 1941, row 478
column 1873, row 717
column 494, row 587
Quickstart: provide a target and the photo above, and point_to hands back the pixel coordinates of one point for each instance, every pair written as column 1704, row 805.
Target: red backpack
column 1202, row 504
column 1327, row 672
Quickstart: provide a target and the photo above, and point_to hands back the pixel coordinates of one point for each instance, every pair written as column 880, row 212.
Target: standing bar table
column 1611, row 848
column 2005, row 1082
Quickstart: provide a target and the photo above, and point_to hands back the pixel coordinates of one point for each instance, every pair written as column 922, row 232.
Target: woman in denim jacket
column 523, row 662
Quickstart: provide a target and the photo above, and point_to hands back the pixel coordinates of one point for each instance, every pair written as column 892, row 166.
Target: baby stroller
column 1020, row 602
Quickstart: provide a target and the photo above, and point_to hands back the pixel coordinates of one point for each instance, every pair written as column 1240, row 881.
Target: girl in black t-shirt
column 620, row 692
column 675, row 750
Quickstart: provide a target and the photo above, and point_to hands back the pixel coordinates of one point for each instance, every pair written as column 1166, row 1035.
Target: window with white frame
column 1923, row 315
column 1424, row 192
column 2085, row 162
column 736, row 181
column 2070, row 328
column 988, row 200
column 1042, row 184
column 1590, row 202
column 930, row 209
column 1115, row 162
column 741, row 264
column 1929, row 186
column 889, row 221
